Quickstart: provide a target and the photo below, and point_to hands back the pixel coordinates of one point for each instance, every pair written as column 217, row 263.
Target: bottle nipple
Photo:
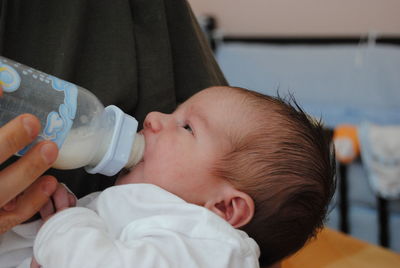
column 137, row 151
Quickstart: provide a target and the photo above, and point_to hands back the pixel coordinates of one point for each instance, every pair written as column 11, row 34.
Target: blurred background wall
column 303, row 17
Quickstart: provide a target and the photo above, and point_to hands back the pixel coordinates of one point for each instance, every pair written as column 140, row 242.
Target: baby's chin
column 134, row 175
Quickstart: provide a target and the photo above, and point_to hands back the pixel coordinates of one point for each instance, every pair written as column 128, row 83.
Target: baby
column 232, row 178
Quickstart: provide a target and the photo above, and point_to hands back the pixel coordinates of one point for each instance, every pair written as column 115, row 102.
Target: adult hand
column 61, row 199
column 22, row 191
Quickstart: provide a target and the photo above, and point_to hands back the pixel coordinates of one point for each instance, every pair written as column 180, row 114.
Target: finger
column 34, row 263
column 71, row 196
column 18, row 176
column 11, row 205
column 72, row 200
column 16, row 134
column 47, row 209
column 28, row 203
column 60, row 198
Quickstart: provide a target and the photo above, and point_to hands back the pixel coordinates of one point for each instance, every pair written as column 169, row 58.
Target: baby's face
column 182, row 147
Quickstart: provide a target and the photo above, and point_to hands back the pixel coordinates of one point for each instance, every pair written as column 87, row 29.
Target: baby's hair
column 284, row 161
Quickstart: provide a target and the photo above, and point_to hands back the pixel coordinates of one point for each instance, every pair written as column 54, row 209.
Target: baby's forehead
column 231, row 104
column 211, row 104
column 221, row 96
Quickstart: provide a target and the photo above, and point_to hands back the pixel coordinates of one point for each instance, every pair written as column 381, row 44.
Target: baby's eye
column 188, row 128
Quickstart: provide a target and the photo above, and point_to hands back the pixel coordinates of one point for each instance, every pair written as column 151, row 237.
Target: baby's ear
column 236, row 207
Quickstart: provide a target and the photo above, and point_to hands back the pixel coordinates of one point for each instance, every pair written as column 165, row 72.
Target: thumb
column 28, row 203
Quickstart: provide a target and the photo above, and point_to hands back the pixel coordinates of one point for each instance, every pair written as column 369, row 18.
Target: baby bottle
column 103, row 140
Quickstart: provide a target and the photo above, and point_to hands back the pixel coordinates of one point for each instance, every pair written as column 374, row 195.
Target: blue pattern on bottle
column 58, row 123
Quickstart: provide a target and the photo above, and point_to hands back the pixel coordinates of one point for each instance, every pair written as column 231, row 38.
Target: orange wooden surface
column 336, row 250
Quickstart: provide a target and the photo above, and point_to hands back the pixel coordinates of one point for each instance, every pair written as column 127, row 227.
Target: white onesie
column 133, row 225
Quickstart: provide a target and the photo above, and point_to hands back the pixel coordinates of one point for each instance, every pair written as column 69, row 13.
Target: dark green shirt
column 141, row 55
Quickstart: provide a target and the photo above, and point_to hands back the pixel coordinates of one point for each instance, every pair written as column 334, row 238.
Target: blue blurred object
column 340, row 83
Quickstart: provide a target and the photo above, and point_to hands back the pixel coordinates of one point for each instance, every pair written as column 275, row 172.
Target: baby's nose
column 154, row 121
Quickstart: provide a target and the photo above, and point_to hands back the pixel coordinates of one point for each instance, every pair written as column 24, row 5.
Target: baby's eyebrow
column 198, row 113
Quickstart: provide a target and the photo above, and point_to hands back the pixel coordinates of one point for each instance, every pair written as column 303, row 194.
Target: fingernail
column 10, row 205
column 49, row 153
column 29, row 127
